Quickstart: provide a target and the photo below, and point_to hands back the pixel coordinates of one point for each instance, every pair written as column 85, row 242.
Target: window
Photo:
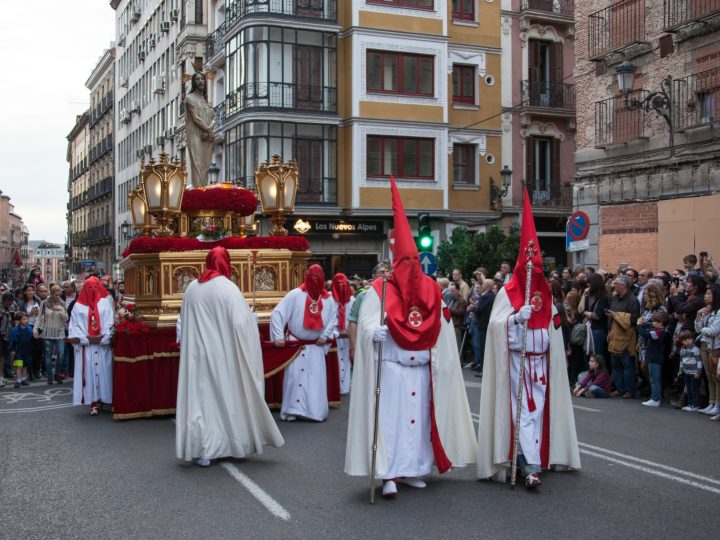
column 707, row 107
column 400, row 156
column 463, row 10
column 543, row 168
column 464, row 164
column 463, row 84
column 416, row 4
column 397, row 73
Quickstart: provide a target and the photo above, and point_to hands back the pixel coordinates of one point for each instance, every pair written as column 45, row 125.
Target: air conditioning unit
column 159, row 141
column 124, row 116
column 148, row 149
column 164, row 26
column 141, row 54
column 135, row 107
column 174, row 14
column 124, row 82
column 121, row 40
column 135, row 13
column 151, row 41
column 170, row 133
column 139, row 153
column 158, row 84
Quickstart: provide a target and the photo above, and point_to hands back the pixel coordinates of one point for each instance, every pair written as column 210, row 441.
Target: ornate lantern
column 277, row 183
column 163, row 186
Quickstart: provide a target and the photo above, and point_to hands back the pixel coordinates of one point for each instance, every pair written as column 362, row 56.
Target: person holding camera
column 50, row 326
column 689, row 301
column 708, row 268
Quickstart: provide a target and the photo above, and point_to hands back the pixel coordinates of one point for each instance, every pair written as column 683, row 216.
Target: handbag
column 578, row 334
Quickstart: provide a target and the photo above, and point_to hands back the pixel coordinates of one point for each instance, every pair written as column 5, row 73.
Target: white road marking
column 651, row 463
column 36, row 409
column 580, row 407
column 471, row 384
column 274, row 507
column 655, row 472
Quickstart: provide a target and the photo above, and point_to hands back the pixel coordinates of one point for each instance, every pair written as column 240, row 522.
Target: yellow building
column 355, row 91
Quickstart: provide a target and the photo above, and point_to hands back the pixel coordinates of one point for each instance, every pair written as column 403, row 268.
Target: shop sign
column 338, row 226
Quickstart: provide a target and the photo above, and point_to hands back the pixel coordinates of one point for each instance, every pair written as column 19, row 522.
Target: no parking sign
column 578, row 227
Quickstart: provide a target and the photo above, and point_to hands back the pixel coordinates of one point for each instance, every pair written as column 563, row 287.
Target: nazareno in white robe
column 343, row 348
column 451, row 409
column 221, row 409
column 92, row 381
column 494, row 436
column 305, row 379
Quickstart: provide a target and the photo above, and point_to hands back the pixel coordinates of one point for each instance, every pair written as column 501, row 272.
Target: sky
column 42, row 90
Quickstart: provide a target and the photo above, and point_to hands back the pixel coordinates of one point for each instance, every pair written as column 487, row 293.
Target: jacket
column 708, row 327
column 21, row 342
column 654, row 342
column 601, row 379
column 622, row 337
column 483, row 308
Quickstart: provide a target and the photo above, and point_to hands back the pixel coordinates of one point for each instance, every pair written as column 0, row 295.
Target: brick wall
column 629, row 218
column 629, row 234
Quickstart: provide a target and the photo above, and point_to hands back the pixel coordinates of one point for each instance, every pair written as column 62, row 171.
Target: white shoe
column 389, row 489
column 690, row 409
column 413, row 482
column 202, row 462
column 707, row 409
column 288, row 417
column 651, row 403
column 715, row 410
column 2, row 382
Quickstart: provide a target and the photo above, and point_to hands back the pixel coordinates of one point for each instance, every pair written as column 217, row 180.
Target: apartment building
column 648, row 79
column 79, row 218
column 538, row 43
column 13, row 243
column 158, row 42
column 355, row 91
column 50, row 258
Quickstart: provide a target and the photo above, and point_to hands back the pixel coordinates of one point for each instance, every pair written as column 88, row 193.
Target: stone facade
column 13, row 239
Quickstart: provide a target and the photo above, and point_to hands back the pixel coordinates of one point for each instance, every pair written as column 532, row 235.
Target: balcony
column 548, row 98
column 102, row 107
column 562, row 11
column 696, row 100
column 98, row 235
column 679, row 14
column 215, row 45
column 317, row 10
column 219, row 118
column 281, row 96
column 550, row 193
column 100, row 149
column 614, row 124
column 617, row 28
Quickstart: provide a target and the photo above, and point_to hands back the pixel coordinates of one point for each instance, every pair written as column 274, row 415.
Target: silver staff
column 377, row 396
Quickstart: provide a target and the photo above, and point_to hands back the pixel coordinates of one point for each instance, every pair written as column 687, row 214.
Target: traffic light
column 424, row 239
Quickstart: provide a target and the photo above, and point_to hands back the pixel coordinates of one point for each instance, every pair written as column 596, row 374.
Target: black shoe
column 50, row 380
column 17, row 384
column 58, row 378
column 25, row 383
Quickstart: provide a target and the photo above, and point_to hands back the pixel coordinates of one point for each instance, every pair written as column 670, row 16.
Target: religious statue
column 199, row 123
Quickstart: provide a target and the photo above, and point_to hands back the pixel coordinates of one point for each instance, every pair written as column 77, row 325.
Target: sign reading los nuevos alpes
column 337, row 226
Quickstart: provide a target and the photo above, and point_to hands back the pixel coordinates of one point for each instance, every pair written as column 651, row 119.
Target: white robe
column 305, row 379
column 92, row 381
column 398, row 407
column 496, row 405
column 343, row 348
column 221, row 410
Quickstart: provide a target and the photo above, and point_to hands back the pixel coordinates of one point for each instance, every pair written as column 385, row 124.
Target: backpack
column 578, row 334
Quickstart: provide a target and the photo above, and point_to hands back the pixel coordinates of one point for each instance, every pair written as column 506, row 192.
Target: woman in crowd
column 707, row 325
column 35, row 278
column 689, row 301
column 654, row 303
column 593, row 304
column 31, row 305
column 50, row 326
column 576, row 358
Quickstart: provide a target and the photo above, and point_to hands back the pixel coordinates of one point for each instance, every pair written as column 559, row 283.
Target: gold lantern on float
column 163, row 185
column 277, row 183
column 247, row 225
column 138, row 212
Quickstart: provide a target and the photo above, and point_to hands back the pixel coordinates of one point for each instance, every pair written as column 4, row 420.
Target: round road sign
column 578, row 225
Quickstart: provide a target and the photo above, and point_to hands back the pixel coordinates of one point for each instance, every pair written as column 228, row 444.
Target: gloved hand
column 380, row 333
column 524, row 314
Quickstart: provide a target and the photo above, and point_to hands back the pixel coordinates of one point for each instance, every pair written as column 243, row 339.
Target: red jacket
column 601, row 379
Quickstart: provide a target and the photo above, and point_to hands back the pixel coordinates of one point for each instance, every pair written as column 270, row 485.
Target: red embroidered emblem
column 414, row 318
column 557, row 321
column 537, row 301
column 446, row 313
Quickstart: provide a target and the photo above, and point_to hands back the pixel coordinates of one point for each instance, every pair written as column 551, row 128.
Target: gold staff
column 377, row 396
column 529, row 253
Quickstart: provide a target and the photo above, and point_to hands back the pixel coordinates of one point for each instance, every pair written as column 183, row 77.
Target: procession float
column 177, row 227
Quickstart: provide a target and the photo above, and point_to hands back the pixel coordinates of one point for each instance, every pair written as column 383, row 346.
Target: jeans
column 623, row 373
column 59, row 350
column 655, row 376
column 600, row 343
column 693, row 385
column 599, row 392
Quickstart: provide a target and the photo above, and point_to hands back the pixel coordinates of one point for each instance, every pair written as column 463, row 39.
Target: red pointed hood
column 91, row 293
column 341, row 293
column 413, row 300
column 314, row 286
column 217, row 263
column 540, row 294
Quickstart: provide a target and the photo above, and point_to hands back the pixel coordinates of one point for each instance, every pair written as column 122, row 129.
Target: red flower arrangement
column 229, row 199
column 157, row 245
column 129, row 321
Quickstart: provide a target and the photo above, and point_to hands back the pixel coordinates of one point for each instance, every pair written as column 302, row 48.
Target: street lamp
column 277, row 183
column 496, row 193
column 125, row 230
column 213, row 173
column 660, row 101
column 163, row 187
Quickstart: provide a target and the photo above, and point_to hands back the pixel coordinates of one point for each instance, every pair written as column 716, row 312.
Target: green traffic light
column 426, row 242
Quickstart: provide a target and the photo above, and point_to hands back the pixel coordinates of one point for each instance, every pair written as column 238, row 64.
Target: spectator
column 380, row 270
column 7, row 322
column 573, row 339
column 51, row 325
column 444, row 282
column 30, row 305
column 505, row 271
column 480, row 274
column 21, row 341
column 689, row 262
column 632, row 275
column 69, row 296
column 654, row 303
column 482, row 310
column 622, row 339
column 643, row 277
column 689, row 301
column 595, row 382
column 119, row 291
column 691, row 369
column 707, row 268
column 653, row 333
column 35, row 278
column 707, row 325
column 462, row 285
column 458, row 307
column 566, row 275
column 593, row 304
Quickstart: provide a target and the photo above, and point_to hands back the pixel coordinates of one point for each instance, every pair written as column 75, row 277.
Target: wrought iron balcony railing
column 219, row 117
column 321, row 191
column 98, row 235
column 281, row 96
column 325, row 10
column 615, row 28
column 681, row 13
column 696, row 100
column 550, row 193
column 615, row 124
column 105, row 104
column 547, row 94
column 215, row 43
column 557, row 7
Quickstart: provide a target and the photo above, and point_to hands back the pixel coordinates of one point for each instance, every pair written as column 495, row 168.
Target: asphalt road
column 63, row 474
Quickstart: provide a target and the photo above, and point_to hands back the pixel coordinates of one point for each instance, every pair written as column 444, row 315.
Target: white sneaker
column 707, row 409
column 202, row 462
column 389, row 489
column 2, row 382
column 691, row 409
column 413, row 482
column 288, row 417
column 715, row 410
column 651, row 403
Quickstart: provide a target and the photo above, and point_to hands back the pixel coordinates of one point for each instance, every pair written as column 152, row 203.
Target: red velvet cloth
column 217, row 263
column 157, row 245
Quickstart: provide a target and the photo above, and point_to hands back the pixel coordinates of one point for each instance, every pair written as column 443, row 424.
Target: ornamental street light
column 660, row 101
column 497, row 193
column 277, row 183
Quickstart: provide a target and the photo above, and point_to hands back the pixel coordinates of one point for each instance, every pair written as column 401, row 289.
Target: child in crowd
column 21, row 339
column 691, row 367
column 596, row 380
column 654, row 333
